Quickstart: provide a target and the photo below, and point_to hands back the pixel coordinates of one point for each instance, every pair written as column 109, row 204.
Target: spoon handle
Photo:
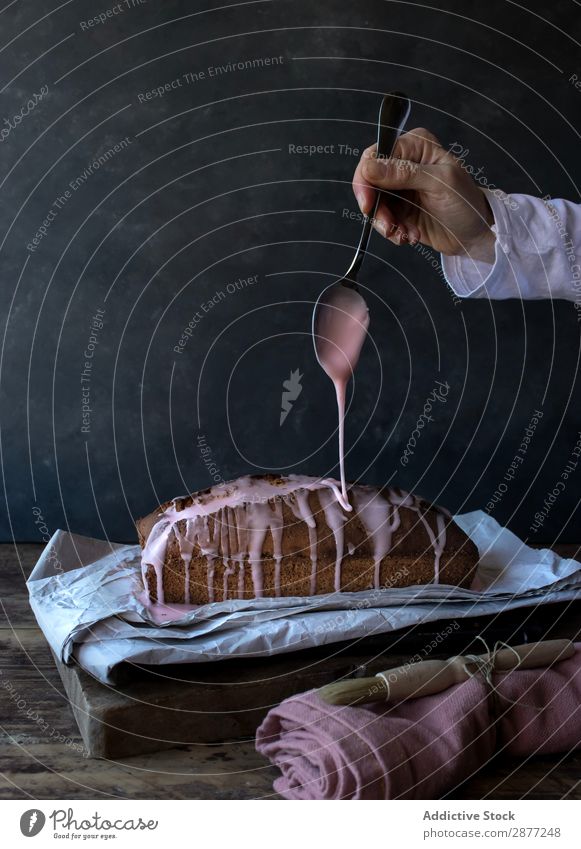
column 393, row 114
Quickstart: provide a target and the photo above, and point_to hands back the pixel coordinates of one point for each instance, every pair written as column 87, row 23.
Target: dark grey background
column 206, row 193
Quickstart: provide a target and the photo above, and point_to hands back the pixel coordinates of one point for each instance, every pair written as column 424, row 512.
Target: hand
column 428, row 197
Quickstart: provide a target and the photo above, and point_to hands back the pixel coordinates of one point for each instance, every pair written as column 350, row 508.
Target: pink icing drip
column 313, row 556
column 335, row 519
column 439, row 545
column 276, row 529
column 341, row 391
column 380, row 518
column 338, row 491
column 159, row 581
column 226, row 545
column 209, row 549
column 242, row 545
column 301, row 509
column 438, row 540
column 257, row 536
column 157, row 545
column 210, row 544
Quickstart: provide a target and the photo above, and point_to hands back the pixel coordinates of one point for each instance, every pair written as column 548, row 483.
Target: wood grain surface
column 42, row 754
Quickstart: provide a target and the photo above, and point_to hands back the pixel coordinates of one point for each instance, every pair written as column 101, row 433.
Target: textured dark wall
column 205, row 191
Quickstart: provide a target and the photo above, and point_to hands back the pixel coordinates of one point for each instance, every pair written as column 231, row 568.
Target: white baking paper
column 84, row 594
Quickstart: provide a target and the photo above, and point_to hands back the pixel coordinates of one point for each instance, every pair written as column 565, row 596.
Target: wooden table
column 41, row 753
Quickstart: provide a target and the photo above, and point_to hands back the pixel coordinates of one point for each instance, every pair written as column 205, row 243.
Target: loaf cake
column 290, row 536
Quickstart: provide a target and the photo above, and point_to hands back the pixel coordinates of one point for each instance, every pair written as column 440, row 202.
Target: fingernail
column 373, row 170
column 360, row 198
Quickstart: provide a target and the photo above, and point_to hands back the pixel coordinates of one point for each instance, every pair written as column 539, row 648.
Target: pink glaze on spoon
column 342, row 322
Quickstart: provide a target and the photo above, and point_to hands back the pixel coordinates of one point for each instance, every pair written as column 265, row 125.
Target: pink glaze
column 438, row 540
column 335, row 518
column 371, row 509
column 162, row 613
column 300, row 507
column 246, row 510
column 342, row 325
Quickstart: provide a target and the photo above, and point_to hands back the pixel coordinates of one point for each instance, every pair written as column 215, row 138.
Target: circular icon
column 32, row 822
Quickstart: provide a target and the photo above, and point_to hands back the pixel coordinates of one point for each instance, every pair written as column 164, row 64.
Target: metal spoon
column 341, row 316
column 393, row 114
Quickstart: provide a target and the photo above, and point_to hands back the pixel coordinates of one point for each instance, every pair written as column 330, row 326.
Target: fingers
column 384, row 222
column 413, row 234
column 408, row 168
column 399, row 236
column 390, row 227
column 421, row 146
column 398, row 174
column 402, row 235
column 364, row 192
column 388, row 223
column 415, row 166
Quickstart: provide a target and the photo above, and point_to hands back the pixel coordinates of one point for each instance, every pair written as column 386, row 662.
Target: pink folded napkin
column 420, row 748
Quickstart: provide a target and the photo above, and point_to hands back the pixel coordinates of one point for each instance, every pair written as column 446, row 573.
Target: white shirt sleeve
column 537, row 253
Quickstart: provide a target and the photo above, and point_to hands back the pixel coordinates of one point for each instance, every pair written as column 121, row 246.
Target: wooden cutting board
column 151, row 709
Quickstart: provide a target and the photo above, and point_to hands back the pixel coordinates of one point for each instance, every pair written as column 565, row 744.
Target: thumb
column 398, row 174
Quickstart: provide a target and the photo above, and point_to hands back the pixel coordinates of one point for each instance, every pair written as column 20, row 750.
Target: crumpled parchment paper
column 84, row 594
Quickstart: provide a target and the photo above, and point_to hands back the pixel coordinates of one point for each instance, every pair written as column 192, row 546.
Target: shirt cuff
column 471, row 278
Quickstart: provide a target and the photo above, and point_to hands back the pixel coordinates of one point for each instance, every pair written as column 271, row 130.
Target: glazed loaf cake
column 290, row 536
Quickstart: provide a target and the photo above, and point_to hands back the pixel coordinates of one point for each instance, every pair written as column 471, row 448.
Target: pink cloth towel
column 419, row 749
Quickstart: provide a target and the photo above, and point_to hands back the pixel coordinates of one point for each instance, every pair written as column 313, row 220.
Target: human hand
column 426, row 197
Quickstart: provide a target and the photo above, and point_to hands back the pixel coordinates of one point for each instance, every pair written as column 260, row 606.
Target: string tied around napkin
column 428, row 677
column 486, row 665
